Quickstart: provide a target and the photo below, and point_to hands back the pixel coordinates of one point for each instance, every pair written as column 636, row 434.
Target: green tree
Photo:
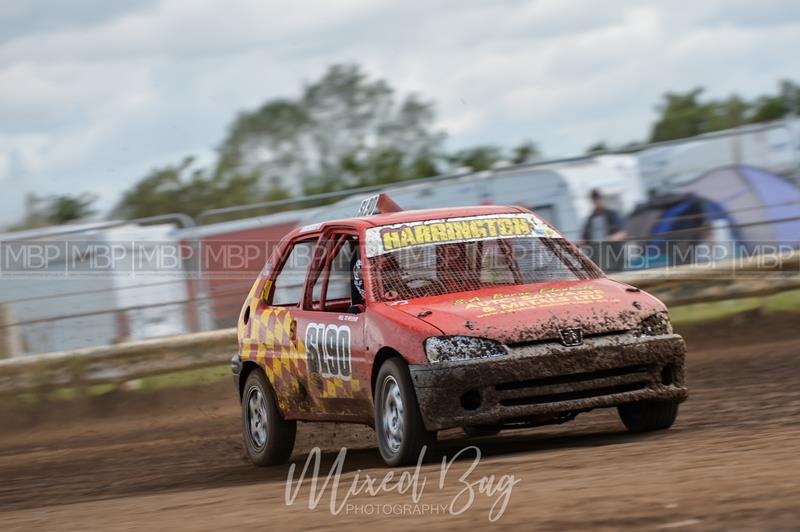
column 268, row 142
column 684, row 115
column 477, row 158
column 598, row 147
column 345, row 129
column 480, row 158
column 180, row 188
column 64, row 209
column 276, row 192
column 157, row 193
column 525, row 152
column 56, row 210
column 774, row 107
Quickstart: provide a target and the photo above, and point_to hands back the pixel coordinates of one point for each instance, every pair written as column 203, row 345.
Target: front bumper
column 545, row 381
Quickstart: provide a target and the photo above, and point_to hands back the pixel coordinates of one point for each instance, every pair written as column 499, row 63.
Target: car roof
column 399, row 217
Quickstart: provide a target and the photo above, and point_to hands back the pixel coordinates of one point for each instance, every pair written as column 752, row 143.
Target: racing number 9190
column 328, row 350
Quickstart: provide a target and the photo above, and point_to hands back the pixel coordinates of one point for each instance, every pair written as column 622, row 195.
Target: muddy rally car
column 483, row 318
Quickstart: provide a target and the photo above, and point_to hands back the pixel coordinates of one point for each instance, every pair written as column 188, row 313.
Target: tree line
column 347, row 130
column 344, row 130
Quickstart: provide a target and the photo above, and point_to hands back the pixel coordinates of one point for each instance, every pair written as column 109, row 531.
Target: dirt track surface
column 175, row 460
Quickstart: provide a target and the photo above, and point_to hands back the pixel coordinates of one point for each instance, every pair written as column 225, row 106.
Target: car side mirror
column 356, row 309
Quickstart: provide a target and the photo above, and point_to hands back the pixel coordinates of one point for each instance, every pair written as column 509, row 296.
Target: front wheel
column 398, row 422
column 268, row 438
column 645, row 416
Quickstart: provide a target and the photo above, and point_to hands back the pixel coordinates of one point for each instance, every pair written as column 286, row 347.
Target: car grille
column 555, row 339
column 575, row 386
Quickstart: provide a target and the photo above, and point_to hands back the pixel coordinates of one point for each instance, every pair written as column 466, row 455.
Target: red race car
column 484, row 318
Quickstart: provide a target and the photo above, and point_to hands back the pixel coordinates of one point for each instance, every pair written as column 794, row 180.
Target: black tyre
column 398, row 423
column 268, row 438
column 475, row 431
column 645, row 416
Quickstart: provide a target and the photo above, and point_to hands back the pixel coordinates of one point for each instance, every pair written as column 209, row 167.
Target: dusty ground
column 174, row 459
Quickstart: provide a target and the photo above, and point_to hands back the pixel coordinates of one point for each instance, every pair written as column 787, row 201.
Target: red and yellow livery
column 416, row 321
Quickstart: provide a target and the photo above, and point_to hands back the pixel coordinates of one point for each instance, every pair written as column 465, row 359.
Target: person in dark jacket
column 604, row 225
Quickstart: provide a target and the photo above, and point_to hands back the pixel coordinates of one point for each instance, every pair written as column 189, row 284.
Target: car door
column 330, row 325
column 271, row 329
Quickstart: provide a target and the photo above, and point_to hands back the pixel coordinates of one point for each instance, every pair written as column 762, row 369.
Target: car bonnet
column 534, row 312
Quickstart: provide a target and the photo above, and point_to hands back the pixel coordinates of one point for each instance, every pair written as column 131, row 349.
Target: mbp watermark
column 461, row 491
column 240, row 259
column 244, row 259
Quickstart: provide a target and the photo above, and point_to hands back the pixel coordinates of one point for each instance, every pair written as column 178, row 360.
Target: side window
column 341, row 281
column 289, row 283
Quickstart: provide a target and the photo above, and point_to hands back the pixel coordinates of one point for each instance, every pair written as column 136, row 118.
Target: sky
column 95, row 93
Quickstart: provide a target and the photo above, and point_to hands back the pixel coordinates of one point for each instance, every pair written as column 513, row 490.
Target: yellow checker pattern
column 265, row 340
column 339, row 388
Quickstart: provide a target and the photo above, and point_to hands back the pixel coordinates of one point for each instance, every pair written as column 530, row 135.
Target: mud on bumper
column 545, row 381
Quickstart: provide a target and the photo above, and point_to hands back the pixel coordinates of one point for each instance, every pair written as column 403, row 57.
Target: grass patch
column 192, row 377
column 788, row 301
column 72, row 393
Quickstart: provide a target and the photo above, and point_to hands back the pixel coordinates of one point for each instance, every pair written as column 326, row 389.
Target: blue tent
column 763, row 207
column 745, row 208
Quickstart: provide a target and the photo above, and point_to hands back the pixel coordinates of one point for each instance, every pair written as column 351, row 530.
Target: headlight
column 439, row 348
column 656, row 325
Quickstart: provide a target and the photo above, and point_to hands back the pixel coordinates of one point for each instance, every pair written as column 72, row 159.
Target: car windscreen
column 408, row 261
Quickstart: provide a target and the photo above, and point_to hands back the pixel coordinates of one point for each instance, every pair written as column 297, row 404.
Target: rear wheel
column 398, row 422
column 645, row 416
column 268, row 438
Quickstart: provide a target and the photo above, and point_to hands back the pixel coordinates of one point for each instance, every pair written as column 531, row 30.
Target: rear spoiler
column 378, row 204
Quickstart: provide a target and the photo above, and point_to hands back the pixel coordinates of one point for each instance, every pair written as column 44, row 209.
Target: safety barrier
column 748, row 277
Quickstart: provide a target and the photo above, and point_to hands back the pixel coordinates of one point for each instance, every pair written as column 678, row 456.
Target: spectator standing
column 604, row 233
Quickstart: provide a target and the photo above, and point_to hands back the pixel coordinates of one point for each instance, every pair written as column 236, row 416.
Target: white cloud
column 94, row 96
